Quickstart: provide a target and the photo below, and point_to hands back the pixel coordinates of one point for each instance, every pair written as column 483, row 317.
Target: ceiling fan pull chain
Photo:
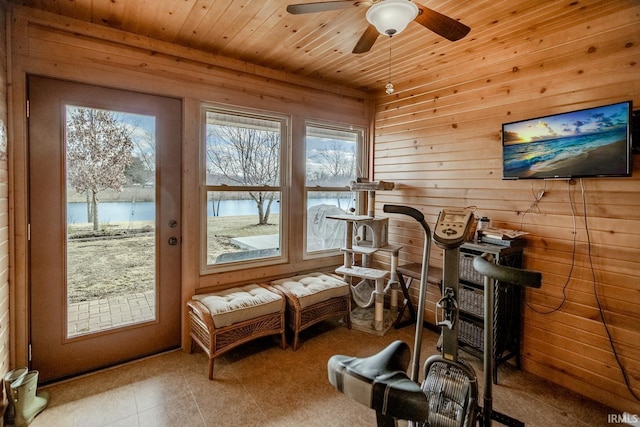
column 389, row 86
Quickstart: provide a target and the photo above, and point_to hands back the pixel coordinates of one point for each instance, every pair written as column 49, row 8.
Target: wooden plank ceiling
column 319, row 45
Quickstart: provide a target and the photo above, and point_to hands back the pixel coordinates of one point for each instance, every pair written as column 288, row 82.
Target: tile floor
column 259, row 384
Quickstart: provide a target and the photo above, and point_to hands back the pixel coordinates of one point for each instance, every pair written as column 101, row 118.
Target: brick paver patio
column 98, row 315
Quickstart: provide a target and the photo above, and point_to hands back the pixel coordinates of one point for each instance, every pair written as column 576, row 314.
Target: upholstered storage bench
column 312, row 298
column 220, row 321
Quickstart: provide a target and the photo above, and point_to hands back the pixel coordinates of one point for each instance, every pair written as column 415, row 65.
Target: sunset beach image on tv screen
column 583, row 143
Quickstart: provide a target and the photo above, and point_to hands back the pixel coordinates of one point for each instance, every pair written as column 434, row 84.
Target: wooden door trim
column 168, row 129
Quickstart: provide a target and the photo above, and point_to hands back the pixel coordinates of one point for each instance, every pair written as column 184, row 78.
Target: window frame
column 362, row 171
column 284, row 187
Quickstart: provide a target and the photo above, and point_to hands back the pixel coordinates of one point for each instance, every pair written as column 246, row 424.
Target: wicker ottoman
column 312, row 298
column 223, row 320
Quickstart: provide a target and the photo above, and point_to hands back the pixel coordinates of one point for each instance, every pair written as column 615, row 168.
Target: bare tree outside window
column 99, row 150
column 335, row 164
column 248, row 157
column 141, row 171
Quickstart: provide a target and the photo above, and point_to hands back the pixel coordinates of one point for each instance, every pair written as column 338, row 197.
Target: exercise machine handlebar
column 506, row 274
column 413, row 213
column 406, row 210
column 426, row 254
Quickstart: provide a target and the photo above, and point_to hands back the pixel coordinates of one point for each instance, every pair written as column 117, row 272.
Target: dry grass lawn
column 119, row 259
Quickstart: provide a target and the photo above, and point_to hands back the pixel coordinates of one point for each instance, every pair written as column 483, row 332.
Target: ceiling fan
column 389, row 17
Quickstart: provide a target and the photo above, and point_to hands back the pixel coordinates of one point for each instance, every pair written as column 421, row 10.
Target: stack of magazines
column 501, row 236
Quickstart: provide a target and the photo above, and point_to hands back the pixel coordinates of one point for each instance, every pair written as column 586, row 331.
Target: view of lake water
column 111, row 212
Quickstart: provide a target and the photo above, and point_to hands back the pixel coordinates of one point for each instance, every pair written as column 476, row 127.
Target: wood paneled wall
column 438, row 138
column 4, row 207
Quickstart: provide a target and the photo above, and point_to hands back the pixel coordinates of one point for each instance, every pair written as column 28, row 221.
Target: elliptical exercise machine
column 448, row 396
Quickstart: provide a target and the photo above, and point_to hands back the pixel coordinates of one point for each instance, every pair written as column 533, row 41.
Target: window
column 334, row 158
column 243, row 186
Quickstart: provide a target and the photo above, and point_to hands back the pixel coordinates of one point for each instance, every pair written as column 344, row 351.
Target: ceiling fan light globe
column 391, row 17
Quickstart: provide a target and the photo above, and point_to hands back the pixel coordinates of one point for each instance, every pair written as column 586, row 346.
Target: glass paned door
column 104, row 214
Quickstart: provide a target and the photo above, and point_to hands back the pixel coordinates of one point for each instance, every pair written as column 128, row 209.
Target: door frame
column 18, row 275
column 176, row 207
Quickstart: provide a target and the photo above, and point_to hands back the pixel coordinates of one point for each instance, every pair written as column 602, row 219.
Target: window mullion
column 245, row 188
column 327, row 189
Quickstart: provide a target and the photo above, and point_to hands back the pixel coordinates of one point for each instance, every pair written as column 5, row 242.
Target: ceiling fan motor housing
column 391, row 17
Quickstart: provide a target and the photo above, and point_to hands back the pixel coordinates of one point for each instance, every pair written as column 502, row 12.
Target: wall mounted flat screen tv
column 593, row 142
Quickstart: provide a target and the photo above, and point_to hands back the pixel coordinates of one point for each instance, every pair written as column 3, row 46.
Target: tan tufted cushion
column 313, row 287
column 240, row 303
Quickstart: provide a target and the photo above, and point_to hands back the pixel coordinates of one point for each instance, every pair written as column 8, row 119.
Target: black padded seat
column 381, row 382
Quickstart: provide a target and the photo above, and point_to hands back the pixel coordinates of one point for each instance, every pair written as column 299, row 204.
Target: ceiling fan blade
column 321, row 6
column 367, row 40
column 440, row 24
